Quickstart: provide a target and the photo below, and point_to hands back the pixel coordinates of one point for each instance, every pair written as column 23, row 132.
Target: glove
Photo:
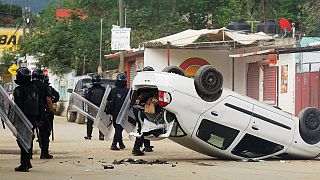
column 39, row 124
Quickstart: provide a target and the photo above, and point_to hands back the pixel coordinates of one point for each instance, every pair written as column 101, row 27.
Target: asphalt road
column 77, row 158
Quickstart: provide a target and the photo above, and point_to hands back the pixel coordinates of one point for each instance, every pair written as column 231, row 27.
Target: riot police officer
column 115, row 100
column 141, row 140
column 94, row 95
column 55, row 98
column 45, row 111
column 26, row 97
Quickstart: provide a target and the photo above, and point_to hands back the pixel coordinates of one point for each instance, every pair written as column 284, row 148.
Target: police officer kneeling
column 26, row 98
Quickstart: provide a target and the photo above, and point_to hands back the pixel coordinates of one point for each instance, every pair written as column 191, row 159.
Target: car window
column 87, row 83
column 252, row 147
column 216, row 134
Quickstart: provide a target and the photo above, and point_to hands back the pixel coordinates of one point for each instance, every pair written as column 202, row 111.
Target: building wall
column 158, row 59
column 287, row 100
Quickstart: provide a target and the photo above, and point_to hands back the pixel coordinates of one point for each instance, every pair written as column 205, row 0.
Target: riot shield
column 83, row 106
column 15, row 120
column 126, row 113
column 103, row 121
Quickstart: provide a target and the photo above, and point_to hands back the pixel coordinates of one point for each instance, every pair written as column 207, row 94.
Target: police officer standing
column 26, row 97
column 94, row 95
column 115, row 100
column 45, row 111
column 55, row 98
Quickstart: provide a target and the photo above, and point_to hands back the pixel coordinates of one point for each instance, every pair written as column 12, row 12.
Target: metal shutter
column 253, row 81
column 133, row 71
column 269, row 83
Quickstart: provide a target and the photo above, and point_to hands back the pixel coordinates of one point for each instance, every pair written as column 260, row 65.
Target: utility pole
column 121, row 23
column 100, row 62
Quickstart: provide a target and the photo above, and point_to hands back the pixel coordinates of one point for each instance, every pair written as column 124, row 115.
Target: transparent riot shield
column 15, row 120
column 125, row 114
column 83, row 106
column 103, row 121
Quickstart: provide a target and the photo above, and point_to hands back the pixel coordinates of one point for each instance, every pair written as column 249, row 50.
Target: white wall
column 158, row 59
column 287, row 100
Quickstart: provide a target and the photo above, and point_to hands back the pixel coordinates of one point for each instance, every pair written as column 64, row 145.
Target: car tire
column 71, row 116
column 208, row 83
column 309, row 125
column 81, row 119
column 174, row 69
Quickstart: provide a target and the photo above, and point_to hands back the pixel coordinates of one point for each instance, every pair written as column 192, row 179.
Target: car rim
column 210, row 81
column 312, row 122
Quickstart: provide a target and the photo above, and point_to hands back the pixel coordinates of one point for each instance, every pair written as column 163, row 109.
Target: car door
column 224, row 123
column 269, row 133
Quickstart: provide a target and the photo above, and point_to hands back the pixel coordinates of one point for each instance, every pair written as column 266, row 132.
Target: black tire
column 81, row 119
column 71, row 116
column 208, row 83
column 175, row 70
column 309, row 125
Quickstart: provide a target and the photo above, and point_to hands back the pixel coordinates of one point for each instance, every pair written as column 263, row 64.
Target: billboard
column 9, row 39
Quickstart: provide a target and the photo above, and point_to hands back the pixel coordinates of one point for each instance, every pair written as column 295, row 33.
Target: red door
column 253, row 81
column 269, row 83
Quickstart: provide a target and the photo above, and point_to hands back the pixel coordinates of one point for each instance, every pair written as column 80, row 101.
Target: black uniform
column 26, row 97
column 94, row 95
column 116, row 99
column 44, row 118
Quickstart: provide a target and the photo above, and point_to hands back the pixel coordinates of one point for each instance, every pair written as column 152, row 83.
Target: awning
column 278, row 51
column 190, row 36
column 127, row 53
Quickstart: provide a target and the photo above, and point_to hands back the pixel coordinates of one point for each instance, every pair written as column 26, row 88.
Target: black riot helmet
column 23, row 76
column 96, row 79
column 148, row 68
column 38, row 75
column 121, row 80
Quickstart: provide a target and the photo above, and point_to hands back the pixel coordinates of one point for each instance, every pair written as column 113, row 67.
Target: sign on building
column 120, row 38
column 9, row 39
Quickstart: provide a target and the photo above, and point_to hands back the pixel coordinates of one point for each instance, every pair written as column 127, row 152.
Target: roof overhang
column 278, row 51
column 126, row 53
column 212, row 37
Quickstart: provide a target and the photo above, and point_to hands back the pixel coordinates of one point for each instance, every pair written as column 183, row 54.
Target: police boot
column 45, row 155
column 22, row 168
column 87, row 137
column 114, row 146
column 148, row 149
column 121, row 145
column 137, row 152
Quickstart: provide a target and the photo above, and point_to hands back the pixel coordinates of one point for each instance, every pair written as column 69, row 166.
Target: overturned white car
column 203, row 116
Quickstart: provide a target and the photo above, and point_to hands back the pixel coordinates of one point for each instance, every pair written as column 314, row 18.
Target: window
column 216, row 134
column 252, row 147
column 177, row 130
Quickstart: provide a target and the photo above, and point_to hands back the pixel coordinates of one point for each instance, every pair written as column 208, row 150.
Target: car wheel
column 208, row 83
column 71, row 116
column 309, row 125
column 174, row 69
column 81, row 119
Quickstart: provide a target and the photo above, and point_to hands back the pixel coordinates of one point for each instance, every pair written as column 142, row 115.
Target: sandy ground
column 76, row 158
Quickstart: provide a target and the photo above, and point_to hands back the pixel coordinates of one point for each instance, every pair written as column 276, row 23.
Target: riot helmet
column 96, row 79
column 38, row 75
column 121, row 80
column 148, row 68
column 23, row 76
